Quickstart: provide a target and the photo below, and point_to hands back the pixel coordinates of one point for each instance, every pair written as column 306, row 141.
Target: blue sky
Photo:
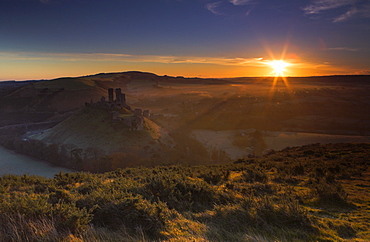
column 51, row 38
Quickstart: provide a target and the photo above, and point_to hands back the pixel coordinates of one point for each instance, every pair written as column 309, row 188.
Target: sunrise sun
column 278, row 67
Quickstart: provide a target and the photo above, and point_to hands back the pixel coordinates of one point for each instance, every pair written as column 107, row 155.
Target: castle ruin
column 133, row 119
column 118, row 103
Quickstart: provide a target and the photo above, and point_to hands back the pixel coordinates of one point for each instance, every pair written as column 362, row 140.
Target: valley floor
column 226, row 140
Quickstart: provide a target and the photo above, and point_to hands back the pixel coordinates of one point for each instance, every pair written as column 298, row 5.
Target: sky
column 45, row 39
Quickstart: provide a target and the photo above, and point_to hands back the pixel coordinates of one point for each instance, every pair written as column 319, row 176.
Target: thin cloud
column 241, row 2
column 214, row 7
column 106, row 57
column 363, row 72
column 341, row 49
column 230, row 7
column 318, row 6
column 353, row 8
column 350, row 13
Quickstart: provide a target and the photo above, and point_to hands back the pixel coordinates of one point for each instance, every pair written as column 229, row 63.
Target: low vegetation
column 310, row 193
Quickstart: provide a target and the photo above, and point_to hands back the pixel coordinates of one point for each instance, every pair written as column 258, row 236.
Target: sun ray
column 278, row 70
column 278, row 66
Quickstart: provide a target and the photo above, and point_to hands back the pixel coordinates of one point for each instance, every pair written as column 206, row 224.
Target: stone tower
column 118, row 95
column 110, row 95
column 123, row 98
column 146, row 113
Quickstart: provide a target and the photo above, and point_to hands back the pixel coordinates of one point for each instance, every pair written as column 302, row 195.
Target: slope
column 94, row 127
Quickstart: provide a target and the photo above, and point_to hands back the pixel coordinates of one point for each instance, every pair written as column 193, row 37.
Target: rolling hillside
column 93, row 127
column 59, row 95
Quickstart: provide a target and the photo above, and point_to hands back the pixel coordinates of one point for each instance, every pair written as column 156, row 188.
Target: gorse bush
column 277, row 197
column 284, row 211
column 327, row 193
column 132, row 212
column 65, row 216
column 214, row 177
column 255, row 175
column 182, row 193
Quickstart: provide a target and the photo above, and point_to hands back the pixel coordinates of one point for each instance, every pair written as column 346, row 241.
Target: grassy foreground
column 310, row 193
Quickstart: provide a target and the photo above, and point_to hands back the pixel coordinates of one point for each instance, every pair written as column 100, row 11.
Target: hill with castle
column 118, row 108
column 113, row 127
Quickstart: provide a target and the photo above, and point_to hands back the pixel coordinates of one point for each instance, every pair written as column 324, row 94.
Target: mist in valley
column 191, row 121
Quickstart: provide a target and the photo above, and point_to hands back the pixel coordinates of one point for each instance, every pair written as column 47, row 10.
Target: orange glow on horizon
column 285, row 66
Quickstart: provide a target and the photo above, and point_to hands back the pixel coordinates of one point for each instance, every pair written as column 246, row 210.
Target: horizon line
column 180, row 76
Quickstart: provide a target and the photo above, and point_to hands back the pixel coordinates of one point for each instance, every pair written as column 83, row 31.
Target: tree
column 258, row 143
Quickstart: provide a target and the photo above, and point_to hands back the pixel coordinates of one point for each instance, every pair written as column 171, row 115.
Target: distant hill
column 66, row 94
column 54, row 100
column 59, row 95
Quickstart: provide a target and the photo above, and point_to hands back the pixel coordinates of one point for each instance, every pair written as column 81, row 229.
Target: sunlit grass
column 298, row 194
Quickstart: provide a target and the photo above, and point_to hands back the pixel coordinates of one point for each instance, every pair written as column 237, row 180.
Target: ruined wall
column 110, row 95
column 134, row 122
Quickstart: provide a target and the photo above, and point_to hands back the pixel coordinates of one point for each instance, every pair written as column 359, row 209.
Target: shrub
column 298, row 170
column 132, row 212
column 325, row 193
column 214, row 177
column 182, row 193
column 66, row 216
column 285, row 211
column 70, row 218
column 255, row 175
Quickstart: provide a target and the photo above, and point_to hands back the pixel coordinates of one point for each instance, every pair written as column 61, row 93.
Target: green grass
column 95, row 128
column 309, row 193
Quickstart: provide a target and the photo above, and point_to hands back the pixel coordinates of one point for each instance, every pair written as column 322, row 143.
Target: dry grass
column 310, row 193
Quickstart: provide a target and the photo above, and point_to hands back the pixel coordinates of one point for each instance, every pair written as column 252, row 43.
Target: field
column 308, row 193
column 238, row 143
